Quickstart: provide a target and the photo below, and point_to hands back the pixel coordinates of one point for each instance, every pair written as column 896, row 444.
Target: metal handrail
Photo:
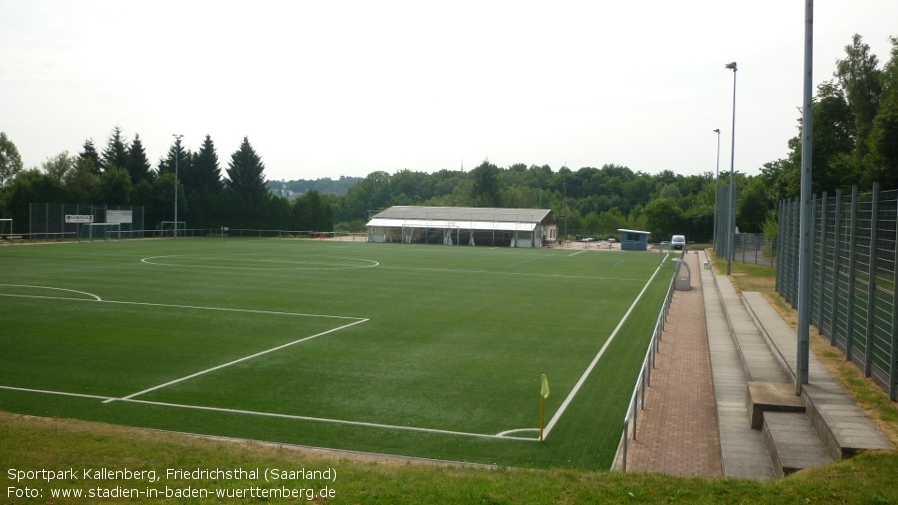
column 644, row 380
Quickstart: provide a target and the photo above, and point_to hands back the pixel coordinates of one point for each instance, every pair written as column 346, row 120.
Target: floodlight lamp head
column 716, row 130
column 731, row 66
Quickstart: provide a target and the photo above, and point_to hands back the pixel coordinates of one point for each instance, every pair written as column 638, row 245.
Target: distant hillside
column 293, row 189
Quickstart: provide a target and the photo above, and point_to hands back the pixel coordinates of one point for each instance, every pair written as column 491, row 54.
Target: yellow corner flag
column 544, row 393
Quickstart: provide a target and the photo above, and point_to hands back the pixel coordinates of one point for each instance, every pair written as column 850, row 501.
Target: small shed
column 633, row 240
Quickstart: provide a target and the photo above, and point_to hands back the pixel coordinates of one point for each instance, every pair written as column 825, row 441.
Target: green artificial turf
column 418, row 350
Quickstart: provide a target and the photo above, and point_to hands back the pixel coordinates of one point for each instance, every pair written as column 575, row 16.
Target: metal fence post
column 821, row 272
column 837, row 259
column 849, row 296
column 871, row 285
column 893, row 363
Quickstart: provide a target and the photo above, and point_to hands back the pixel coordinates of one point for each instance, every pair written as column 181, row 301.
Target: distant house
column 633, row 240
column 464, row 226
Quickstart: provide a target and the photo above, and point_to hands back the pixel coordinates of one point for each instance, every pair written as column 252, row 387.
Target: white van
column 678, row 242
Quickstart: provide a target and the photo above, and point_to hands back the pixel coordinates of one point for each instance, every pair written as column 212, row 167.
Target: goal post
column 6, row 230
column 100, row 231
column 168, row 228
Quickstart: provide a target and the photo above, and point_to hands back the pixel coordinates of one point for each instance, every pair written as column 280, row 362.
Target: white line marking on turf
column 576, row 253
column 325, row 420
column 44, row 391
column 225, row 309
column 294, row 265
column 282, row 416
column 595, row 360
column 47, row 287
column 191, row 376
column 528, row 261
column 506, row 432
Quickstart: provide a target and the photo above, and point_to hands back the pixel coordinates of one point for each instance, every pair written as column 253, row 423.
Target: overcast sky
column 331, row 88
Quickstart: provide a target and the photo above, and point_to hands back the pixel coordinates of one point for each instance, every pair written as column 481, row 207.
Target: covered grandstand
column 464, row 226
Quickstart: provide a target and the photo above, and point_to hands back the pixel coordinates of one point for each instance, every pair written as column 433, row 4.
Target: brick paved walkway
column 677, row 432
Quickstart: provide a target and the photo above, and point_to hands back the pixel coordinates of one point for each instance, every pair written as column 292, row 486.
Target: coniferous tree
column 205, row 172
column 138, row 165
column 246, row 177
column 115, row 154
column 89, row 153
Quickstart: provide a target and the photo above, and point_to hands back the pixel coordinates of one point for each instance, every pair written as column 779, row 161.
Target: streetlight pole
column 731, row 227
column 716, row 191
column 177, row 155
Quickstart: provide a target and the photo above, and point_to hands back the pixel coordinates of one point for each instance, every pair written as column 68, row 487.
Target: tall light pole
column 807, row 202
column 716, row 195
column 177, row 155
column 731, row 226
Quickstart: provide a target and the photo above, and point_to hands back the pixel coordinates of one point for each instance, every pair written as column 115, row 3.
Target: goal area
column 91, row 232
column 168, row 229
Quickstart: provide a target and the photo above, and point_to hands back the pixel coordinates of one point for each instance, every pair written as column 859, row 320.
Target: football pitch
column 414, row 350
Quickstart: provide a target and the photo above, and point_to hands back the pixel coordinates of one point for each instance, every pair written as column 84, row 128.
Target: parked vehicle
column 678, row 242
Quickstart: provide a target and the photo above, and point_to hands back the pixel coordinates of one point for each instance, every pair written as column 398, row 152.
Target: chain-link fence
column 47, row 221
column 854, row 302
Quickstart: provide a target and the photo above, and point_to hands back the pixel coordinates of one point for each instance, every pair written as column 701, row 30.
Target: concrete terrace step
column 842, row 425
column 793, row 443
column 742, row 449
column 758, row 360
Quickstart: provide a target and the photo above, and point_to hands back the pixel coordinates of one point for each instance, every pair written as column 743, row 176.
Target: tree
column 486, row 185
column 663, row 217
column 246, row 175
column 58, row 166
column 83, row 181
column 205, row 172
column 89, row 152
column 862, row 81
column 138, row 164
column 115, row 154
column 10, row 161
column 32, row 186
column 115, row 186
column 752, row 205
column 883, row 140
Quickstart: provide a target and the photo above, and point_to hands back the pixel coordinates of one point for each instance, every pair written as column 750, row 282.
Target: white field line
column 245, row 358
column 495, row 272
column 44, row 391
column 47, row 287
column 576, row 253
column 284, row 416
column 167, row 305
column 331, row 421
column 570, row 396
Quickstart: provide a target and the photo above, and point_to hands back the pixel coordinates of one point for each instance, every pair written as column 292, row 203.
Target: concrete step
column 793, row 443
column 842, row 425
column 771, row 397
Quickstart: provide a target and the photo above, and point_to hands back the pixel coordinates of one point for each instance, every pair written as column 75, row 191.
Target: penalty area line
column 570, row 397
column 234, row 362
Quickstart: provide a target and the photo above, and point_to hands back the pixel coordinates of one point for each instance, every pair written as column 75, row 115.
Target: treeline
column 855, row 129
column 855, row 143
column 325, row 185
column 121, row 174
column 589, row 200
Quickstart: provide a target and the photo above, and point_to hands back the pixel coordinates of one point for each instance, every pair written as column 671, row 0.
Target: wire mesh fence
column 57, row 221
column 854, row 302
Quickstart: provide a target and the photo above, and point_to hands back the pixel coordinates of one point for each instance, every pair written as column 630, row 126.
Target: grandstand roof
column 475, row 218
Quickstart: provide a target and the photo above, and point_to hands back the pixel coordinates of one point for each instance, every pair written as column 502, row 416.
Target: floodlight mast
column 177, row 155
column 807, row 202
column 731, row 226
column 716, row 196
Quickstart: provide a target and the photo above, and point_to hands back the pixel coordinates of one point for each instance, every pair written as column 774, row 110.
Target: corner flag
column 544, row 393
